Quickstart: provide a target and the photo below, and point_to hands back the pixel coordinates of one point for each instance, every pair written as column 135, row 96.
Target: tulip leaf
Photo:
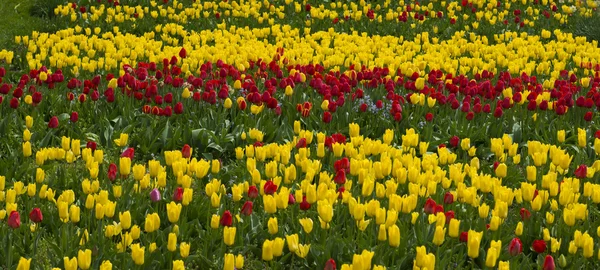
column 165, row 134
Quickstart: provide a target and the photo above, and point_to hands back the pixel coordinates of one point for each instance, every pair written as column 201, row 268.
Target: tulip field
column 185, row 134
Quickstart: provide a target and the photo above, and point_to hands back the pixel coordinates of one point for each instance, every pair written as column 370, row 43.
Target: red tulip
column 178, row 194
column 454, row 141
column 448, row 198
column 129, row 152
column 226, row 219
column 340, row 177
column 74, row 117
column 304, row 205
column 186, row 151
column 588, row 116
column 247, row 208
column 91, row 145
column 525, row 214
column 549, row 263
column 14, row 220
column 464, row 237
column 53, row 123
column 581, row 171
column 112, row 172
column 330, row 265
column 36, row 215
column 270, row 188
column 515, row 247
column 301, row 143
column 539, row 246
column 326, row 117
column 429, row 117
column 291, row 199
column 14, row 103
column 430, row 205
column 252, row 192
column 183, row 53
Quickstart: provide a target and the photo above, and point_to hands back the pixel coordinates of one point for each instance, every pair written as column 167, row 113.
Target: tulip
column 14, row 220
column 519, row 229
column 229, row 262
column 137, row 253
column 124, row 166
column 325, row 211
column 178, row 265
column 474, row 239
column 330, row 265
column 70, row 264
column 125, row 219
column 36, row 215
column 394, row 235
column 270, row 204
column 84, row 259
column 272, row 225
column 539, row 246
column 454, row 228
column 302, row 250
column 515, row 247
column 239, row 261
column 229, row 235
column 501, row 170
column 292, row 242
column 122, row 140
column 267, row 250
column 278, row 246
column 24, row 264
column 155, row 195
column 548, row 263
column 226, row 219
column 27, row 149
column 53, row 123
column 173, row 211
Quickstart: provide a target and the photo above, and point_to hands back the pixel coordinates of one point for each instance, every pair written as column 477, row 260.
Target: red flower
column 307, row 7
column 226, row 219
column 430, row 205
column 449, row 215
column 549, row 263
column 498, row 112
column 36, row 215
column 301, row 143
column 429, row 117
column 91, row 145
column 53, row 123
column 464, row 237
column 304, row 205
column 270, row 188
column 448, row 198
column 129, row 152
column 363, row 107
column 217, row 15
column 470, row 116
column 330, row 265
column 291, row 199
column 14, row 103
column 74, row 117
column 112, row 172
column 178, row 194
column 183, row 53
column 539, row 246
column 326, row 117
column 525, row 214
column 452, row 21
column 247, row 208
column 515, row 247
column 186, row 151
column 14, row 220
column 454, row 141
column 581, row 171
column 588, row 116
column 340, row 177
column 252, row 192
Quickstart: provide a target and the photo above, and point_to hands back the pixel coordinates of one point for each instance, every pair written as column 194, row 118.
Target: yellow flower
column 125, row 219
column 172, row 242
column 239, row 261
column 138, row 172
column 303, row 250
column 561, row 135
column 27, row 149
column 307, row 224
column 122, row 140
column 184, row 249
column 272, row 225
column 106, row 265
column 278, row 246
column 227, row 103
column 70, row 264
column 215, row 221
column 28, row 121
column 99, row 210
column 229, row 235
column 24, row 264
column 504, row 265
column 229, row 262
column 490, row 260
column 178, row 265
column 325, row 210
column 84, row 259
column 454, row 228
column 519, row 229
column 438, row 237
column 474, row 239
column 124, row 166
column 267, row 250
column 173, row 211
column 137, row 253
column 501, row 170
column 270, row 204
column 394, row 235
column 292, row 242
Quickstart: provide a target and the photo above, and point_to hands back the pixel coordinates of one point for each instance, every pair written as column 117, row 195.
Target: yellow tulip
column 137, row 253
column 173, row 211
column 84, row 259
column 229, row 235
